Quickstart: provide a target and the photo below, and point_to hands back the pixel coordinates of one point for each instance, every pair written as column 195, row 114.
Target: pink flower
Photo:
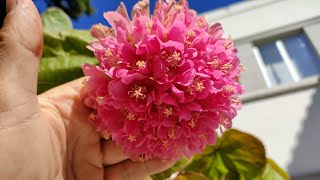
column 165, row 82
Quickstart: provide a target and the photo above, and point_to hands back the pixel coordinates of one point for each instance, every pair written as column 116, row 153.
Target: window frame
column 278, row 40
column 310, row 28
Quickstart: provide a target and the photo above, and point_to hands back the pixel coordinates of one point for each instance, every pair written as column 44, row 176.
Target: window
column 287, row 59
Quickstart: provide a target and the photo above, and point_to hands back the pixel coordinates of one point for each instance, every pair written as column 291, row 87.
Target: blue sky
column 101, row 6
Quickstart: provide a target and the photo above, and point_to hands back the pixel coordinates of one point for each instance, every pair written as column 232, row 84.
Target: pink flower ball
column 165, row 83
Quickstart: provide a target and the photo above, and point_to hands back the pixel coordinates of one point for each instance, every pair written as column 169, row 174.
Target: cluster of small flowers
column 165, row 83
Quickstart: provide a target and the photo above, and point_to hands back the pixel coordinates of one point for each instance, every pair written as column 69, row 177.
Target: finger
column 75, row 86
column 23, row 25
column 20, row 51
column 112, row 153
column 129, row 170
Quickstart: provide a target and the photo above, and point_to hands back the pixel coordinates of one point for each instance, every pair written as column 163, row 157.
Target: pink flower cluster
column 165, row 82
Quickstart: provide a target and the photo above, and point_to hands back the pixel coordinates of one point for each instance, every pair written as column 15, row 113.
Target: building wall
column 285, row 118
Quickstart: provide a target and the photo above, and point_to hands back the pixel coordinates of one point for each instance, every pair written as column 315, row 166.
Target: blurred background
column 279, row 44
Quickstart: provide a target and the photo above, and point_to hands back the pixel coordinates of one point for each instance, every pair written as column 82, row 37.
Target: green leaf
column 236, row 155
column 273, row 171
column 189, row 176
column 242, row 153
column 178, row 166
column 55, row 20
column 64, row 51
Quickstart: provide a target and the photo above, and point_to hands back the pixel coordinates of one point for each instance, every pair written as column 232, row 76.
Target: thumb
column 20, row 51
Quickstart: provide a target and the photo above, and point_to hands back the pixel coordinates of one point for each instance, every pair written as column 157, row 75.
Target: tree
column 74, row 8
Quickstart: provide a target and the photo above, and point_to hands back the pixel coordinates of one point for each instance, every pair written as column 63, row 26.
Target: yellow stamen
column 165, row 142
column 132, row 138
column 191, row 33
column 228, row 88
column 93, row 116
column 199, row 86
column 141, row 64
column 228, row 42
column 176, row 56
column 236, row 100
column 192, row 123
column 168, row 19
column 168, row 111
column 177, row 7
column 149, row 25
column 106, row 135
column 142, row 3
column 214, row 63
column 137, row 93
column 130, row 116
column 108, row 52
column 226, row 67
column 171, row 133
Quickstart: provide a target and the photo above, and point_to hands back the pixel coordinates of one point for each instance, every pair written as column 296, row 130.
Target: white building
column 279, row 43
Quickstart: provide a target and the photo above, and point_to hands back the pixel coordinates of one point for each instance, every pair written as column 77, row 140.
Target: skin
column 48, row 136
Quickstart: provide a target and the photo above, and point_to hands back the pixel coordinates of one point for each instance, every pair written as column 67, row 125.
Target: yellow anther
column 177, row 7
column 137, row 93
column 142, row 3
column 108, row 52
column 213, row 63
column 168, row 111
column 236, row 100
column 141, row 64
column 199, row 86
column 192, row 123
column 165, row 142
column 106, row 135
column 93, row 116
column 149, row 25
column 226, row 67
column 171, row 133
column 130, row 116
column 176, row 56
column 132, row 138
column 228, row 88
column 191, row 33
column 228, row 42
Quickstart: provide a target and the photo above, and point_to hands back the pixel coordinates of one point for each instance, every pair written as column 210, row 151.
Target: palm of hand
column 80, row 145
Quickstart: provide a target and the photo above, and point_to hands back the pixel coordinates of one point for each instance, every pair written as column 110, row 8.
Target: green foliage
column 190, row 176
column 236, row 156
column 64, row 50
column 273, row 171
column 74, row 8
column 179, row 166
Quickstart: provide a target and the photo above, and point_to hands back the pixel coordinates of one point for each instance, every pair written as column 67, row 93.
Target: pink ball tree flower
column 165, row 83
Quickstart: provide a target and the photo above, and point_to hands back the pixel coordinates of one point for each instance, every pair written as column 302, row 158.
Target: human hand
column 48, row 136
